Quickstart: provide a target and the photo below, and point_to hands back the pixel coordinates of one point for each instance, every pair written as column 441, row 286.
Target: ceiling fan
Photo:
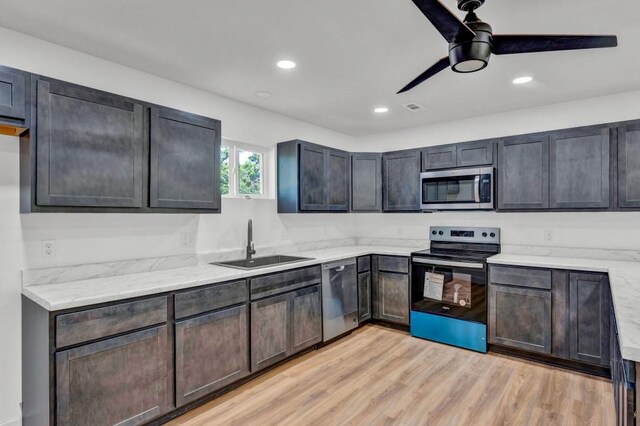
column 472, row 42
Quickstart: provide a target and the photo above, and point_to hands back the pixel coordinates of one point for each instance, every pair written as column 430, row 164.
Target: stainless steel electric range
column 449, row 286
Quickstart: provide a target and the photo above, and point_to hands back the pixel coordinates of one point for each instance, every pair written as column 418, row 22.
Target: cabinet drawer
column 364, row 264
column 520, row 277
column 393, row 264
column 94, row 324
column 285, row 281
column 210, row 298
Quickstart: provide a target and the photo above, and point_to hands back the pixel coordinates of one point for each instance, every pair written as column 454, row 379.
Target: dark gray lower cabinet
column 212, row 351
column 393, row 297
column 520, row 318
column 589, row 316
column 306, row 318
column 285, row 324
column 364, row 296
column 184, row 159
column 270, row 330
column 401, row 181
column 122, row 380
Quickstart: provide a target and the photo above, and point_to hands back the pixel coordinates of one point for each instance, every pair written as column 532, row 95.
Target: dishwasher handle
column 339, row 264
column 340, row 268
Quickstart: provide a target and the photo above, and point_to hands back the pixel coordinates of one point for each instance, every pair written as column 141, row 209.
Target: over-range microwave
column 457, row 189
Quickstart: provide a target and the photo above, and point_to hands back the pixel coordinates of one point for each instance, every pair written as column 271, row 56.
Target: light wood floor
column 382, row 376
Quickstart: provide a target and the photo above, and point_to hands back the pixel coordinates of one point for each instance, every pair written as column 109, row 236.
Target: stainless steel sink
column 261, row 262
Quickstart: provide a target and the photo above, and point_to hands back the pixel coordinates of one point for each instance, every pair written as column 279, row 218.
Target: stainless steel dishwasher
column 339, row 298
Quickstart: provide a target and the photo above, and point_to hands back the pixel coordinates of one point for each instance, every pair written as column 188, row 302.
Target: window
column 242, row 170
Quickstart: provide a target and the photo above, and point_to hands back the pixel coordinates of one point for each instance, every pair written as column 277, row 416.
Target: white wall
column 92, row 237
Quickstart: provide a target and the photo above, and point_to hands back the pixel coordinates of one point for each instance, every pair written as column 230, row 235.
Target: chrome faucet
column 250, row 248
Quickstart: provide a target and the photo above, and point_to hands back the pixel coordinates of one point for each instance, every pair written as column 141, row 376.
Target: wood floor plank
column 379, row 376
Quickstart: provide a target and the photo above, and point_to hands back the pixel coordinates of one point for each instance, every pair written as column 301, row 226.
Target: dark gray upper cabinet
column 579, row 168
column 89, row 147
column 628, row 137
column 520, row 318
column 184, row 160
column 13, row 95
column 212, row 351
column 523, row 173
column 478, row 153
column 306, row 318
column 589, row 316
column 439, row 157
column 338, row 168
column 366, row 182
column 401, row 181
column 312, row 178
column 122, row 380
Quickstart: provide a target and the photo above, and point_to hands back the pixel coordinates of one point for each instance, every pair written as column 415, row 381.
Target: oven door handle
column 438, row 262
column 476, row 187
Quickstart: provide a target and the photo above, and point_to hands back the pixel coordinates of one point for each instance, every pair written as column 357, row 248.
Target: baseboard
column 15, row 422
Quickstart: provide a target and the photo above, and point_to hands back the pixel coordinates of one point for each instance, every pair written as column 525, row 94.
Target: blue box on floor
column 452, row 331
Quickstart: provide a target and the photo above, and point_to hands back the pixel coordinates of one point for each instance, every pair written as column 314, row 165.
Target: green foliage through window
column 249, row 173
column 224, row 170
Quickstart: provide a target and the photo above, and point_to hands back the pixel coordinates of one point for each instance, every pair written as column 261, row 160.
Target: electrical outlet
column 187, row 240
column 48, row 249
column 548, row 235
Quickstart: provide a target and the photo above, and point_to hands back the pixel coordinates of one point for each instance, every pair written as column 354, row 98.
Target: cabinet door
column 13, row 85
column 269, row 331
column 185, row 160
column 629, row 166
column 212, row 351
column 122, row 380
column 366, row 182
column 520, row 318
column 523, row 173
column 338, row 180
column 306, row 318
column 393, row 297
column 439, row 157
column 89, row 148
column 364, row 296
column 579, row 168
column 313, row 178
column 479, row 153
column 589, row 316
column 401, row 181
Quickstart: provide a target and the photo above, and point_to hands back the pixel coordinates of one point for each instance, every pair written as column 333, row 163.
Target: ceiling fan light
column 472, row 65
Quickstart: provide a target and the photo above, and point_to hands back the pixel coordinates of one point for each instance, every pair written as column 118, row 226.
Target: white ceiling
column 352, row 55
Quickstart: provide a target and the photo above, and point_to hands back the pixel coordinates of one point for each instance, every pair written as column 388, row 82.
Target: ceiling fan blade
column 511, row 44
column 435, row 69
column 447, row 24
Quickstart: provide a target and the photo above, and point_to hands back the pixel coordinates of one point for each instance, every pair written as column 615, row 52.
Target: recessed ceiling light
column 522, row 80
column 263, row 94
column 286, row 64
column 381, row 110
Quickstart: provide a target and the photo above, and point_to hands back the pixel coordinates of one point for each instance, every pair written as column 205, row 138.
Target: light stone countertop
column 74, row 294
column 624, row 279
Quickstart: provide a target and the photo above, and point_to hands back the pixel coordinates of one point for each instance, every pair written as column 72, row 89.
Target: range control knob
column 440, row 233
column 484, row 234
column 433, row 232
column 492, row 235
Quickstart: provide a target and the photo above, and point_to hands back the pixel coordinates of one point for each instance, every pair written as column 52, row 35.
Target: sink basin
column 261, row 262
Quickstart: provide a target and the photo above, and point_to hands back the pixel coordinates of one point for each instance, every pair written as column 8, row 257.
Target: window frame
column 234, row 164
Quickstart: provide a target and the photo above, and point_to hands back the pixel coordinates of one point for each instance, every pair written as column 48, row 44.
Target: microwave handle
column 477, row 189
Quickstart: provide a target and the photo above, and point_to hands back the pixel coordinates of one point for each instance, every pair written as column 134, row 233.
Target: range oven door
column 458, row 189
column 449, row 288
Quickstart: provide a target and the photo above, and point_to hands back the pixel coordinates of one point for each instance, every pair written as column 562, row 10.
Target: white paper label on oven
column 433, row 284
